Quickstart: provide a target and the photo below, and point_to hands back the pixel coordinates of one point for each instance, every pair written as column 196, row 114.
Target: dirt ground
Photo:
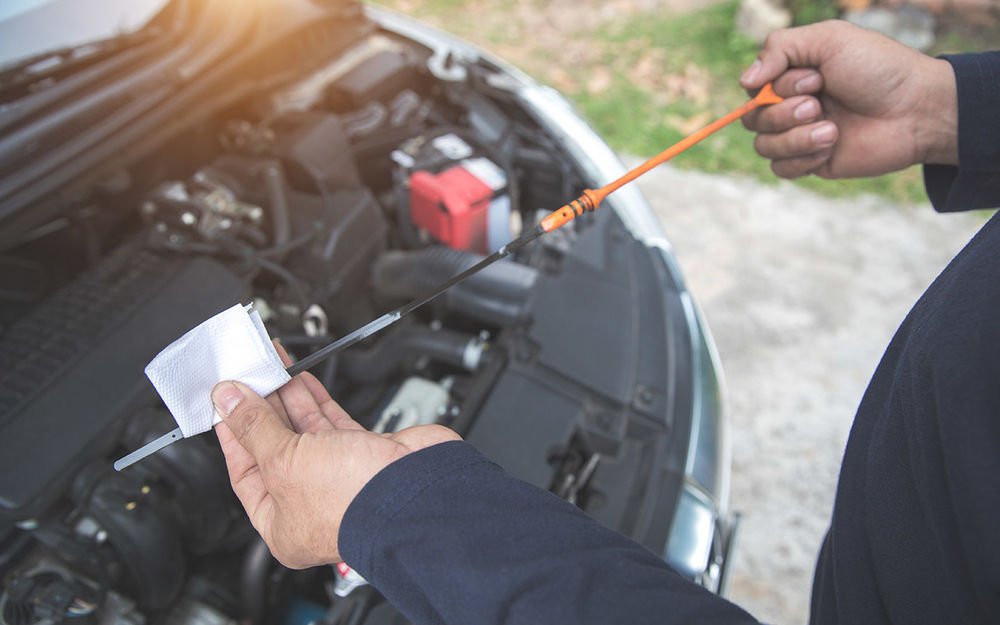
column 802, row 294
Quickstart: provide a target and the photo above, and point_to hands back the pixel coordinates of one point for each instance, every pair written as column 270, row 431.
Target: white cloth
column 232, row 345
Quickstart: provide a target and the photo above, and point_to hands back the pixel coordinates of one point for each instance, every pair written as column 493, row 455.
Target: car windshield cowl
column 99, row 29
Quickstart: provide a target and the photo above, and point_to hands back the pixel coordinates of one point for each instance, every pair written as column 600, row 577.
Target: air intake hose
column 495, row 295
column 444, row 346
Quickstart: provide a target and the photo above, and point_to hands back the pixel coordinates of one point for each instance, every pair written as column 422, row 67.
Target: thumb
column 253, row 421
column 805, row 46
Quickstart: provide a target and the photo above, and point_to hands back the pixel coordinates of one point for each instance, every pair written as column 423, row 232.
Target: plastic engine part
column 71, row 371
column 465, row 206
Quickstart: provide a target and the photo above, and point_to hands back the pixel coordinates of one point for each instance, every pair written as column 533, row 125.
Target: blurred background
column 803, row 283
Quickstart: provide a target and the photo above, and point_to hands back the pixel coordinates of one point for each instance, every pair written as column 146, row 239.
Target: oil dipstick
column 588, row 201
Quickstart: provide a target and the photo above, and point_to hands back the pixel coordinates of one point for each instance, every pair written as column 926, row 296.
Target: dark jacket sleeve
column 449, row 537
column 975, row 183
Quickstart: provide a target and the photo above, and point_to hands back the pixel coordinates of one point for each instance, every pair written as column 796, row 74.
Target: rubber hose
column 274, row 181
column 442, row 346
column 257, row 564
column 495, row 295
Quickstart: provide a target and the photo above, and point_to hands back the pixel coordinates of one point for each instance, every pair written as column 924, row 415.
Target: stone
column 907, row 24
column 757, row 18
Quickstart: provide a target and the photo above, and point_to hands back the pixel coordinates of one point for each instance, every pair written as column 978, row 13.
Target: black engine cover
column 72, row 370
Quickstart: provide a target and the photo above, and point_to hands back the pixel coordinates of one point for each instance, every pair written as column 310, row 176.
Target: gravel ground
column 802, row 294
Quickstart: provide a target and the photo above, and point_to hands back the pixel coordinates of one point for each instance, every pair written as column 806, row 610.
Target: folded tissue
column 232, row 345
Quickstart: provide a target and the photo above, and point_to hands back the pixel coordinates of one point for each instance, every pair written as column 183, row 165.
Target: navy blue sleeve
column 449, row 537
column 975, row 183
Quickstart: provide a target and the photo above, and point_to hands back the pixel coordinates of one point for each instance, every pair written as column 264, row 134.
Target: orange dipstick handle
column 591, row 199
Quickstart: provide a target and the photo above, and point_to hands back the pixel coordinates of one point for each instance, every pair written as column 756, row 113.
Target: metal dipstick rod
column 588, row 201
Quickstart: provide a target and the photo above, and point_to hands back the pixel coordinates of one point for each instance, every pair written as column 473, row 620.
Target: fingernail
column 809, row 84
column 823, row 135
column 751, row 72
column 226, row 397
column 806, row 111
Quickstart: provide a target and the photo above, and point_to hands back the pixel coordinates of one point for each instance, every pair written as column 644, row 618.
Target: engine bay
column 325, row 202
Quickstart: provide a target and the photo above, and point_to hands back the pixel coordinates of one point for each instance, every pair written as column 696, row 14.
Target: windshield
column 31, row 27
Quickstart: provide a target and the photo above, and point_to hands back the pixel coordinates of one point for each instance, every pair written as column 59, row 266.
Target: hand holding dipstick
column 589, row 201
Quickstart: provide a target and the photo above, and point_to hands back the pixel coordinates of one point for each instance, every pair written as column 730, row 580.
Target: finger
column 785, row 115
column 798, row 81
column 304, row 413
column 243, row 472
column 333, row 416
column 801, row 166
column 282, row 353
column 797, row 142
column 805, row 46
column 254, row 423
column 339, row 417
column 273, row 398
column 336, row 415
column 794, row 82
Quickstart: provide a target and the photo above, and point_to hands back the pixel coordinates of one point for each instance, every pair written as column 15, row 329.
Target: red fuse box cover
column 452, row 206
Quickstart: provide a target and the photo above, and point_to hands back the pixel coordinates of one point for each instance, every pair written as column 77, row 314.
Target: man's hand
column 296, row 461
column 857, row 103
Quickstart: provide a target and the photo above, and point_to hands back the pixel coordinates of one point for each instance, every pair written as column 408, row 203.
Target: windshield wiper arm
column 17, row 79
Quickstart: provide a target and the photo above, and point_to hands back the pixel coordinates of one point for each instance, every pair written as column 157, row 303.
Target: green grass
column 631, row 120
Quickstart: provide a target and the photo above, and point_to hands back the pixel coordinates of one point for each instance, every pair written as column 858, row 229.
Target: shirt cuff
column 392, row 489
column 975, row 183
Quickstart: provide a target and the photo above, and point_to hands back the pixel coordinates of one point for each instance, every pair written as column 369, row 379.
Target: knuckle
column 783, row 169
column 835, row 29
column 771, row 40
column 770, row 121
column 776, row 39
column 837, row 25
column 235, row 479
column 761, row 145
column 314, row 418
column 800, row 142
column 756, row 121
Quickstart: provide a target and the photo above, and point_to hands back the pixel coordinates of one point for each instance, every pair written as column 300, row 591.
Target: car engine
column 325, row 201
